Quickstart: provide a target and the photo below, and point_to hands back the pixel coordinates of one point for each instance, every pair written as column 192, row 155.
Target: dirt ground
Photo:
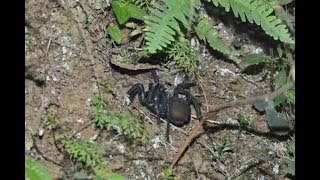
column 68, row 55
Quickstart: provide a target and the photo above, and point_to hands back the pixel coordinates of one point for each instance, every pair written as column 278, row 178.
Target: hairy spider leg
column 137, row 89
column 180, row 89
column 153, row 87
column 154, row 96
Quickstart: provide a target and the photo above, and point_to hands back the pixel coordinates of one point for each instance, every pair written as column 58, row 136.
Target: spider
column 167, row 106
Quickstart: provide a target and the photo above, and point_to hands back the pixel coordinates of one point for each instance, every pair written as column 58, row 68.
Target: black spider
column 170, row 106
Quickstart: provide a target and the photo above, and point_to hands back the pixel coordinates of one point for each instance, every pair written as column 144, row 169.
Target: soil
column 69, row 56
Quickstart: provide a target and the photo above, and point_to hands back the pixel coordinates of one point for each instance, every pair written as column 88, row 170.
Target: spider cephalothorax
column 170, row 106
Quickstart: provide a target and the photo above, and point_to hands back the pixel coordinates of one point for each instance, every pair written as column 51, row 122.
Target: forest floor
column 68, row 55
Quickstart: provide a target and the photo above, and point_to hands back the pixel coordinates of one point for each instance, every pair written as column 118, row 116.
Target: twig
column 252, row 100
column 40, row 153
column 54, row 140
column 89, row 124
column 191, row 136
column 205, row 96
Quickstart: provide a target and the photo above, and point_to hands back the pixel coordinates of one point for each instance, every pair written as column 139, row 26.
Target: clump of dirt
column 69, row 56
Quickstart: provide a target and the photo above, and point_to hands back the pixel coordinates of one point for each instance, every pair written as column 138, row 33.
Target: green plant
column 35, row 170
column 291, row 157
column 277, row 122
column 135, row 29
column 115, row 33
column 121, row 120
column 124, row 11
column 82, row 152
column 141, row 3
column 242, row 120
column 239, row 95
column 265, row 62
column 162, row 26
column 221, row 147
column 258, row 12
column 184, row 54
column 167, row 174
column 111, row 87
column 167, row 20
column 205, row 32
column 51, row 121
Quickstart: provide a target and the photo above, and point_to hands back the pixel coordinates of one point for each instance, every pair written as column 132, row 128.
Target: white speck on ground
column 219, row 26
column 64, row 50
column 156, row 142
column 258, row 50
column 80, row 120
column 121, row 148
column 88, row 102
column 231, row 121
column 41, row 132
column 275, row 169
column 77, row 136
column 93, row 138
column 222, row 71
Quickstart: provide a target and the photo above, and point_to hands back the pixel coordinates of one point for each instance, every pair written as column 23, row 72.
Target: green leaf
column 205, row 31
column 291, row 146
column 131, row 25
column 276, row 121
column 121, row 11
column 135, row 32
column 279, row 100
column 284, row 2
column 115, row 33
column 291, row 166
column 34, row 170
column 242, row 120
column 260, row 13
column 291, row 96
column 167, row 174
column 253, row 59
column 280, row 51
column 280, row 79
column 136, row 12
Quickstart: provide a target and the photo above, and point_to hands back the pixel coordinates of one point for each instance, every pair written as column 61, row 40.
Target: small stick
column 191, row 136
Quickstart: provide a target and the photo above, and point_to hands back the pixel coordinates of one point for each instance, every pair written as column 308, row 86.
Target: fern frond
column 204, row 30
column 258, row 12
column 162, row 26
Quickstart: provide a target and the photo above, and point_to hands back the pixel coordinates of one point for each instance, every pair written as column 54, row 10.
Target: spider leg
column 137, row 89
column 168, row 125
column 190, row 98
column 158, row 115
column 155, row 76
column 153, row 91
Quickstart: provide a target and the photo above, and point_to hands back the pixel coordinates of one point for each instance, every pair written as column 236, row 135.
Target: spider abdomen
column 179, row 112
